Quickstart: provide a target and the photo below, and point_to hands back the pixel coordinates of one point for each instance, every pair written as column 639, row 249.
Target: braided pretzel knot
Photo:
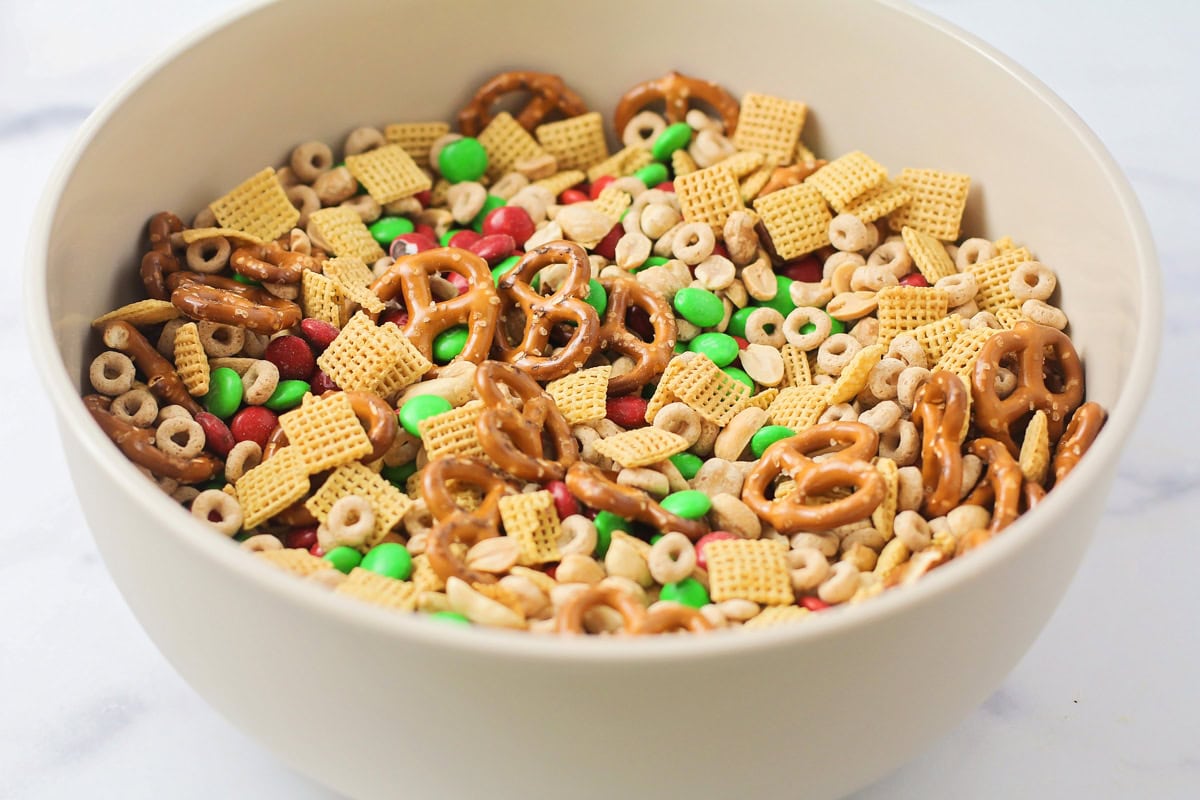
column 637, row 620
column 649, row 357
column 543, row 312
column 161, row 377
column 676, row 91
column 595, row 488
column 1085, row 425
column 138, row 446
column 224, row 300
column 514, row 439
column 941, row 414
column 456, row 524
column 477, row 307
column 159, row 260
column 1004, row 483
column 1032, row 344
column 847, row 467
column 271, row 263
column 549, row 94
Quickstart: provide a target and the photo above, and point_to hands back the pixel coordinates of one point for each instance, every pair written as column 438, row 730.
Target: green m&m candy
column 689, row 504
column 491, row 203
column 652, row 174
column 606, row 522
column 699, row 306
column 421, row 407
column 688, row 592
column 721, row 348
column 224, row 392
column 737, row 322
column 344, row 559
column 688, row 464
column 503, row 267
column 398, row 476
column 288, row 394
column 674, row 137
column 449, row 343
column 385, row 229
column 463, row 160
column 597, row 296
column 740, row 376
column 390, row 559
column 782, row 301
column 767, row 436
column 452, row 617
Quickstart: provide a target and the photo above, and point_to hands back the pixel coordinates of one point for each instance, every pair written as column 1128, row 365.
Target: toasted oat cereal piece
column 141, row 313
column 416, row 138
column 796, row 370
column 749, row 569
column 621, row 163
column 506, row 143
column 272, row 486
column 902, row 309
column 937, row 337
column 682, row 163
column 770, row 125
column 373, row 358
column 343, row 229
column 1035, row 449
column 612, row 202
column 960, row 358
column 883, row 517
column 853, row 378
column 799, row 407
column 200, row 234
column 325, row 432
column 294, row 560
column 452, row 433
column 663, row 393
column 388, row 173
column 771, row 616
column 577, row 142
column 848, row 178
column 936, row 202
column 559, row 182
column 993, row 276
column 379, row 590
column 878, row 202
column 532, row 520
column 796, row 218
column 321, row 298
column 259, row 206
column 709, row 195
column 389, row 503
column 928, row 254
column 642, row 446
column 743, row 163
column 190, row 360
column 582, row 396
column 714, row 395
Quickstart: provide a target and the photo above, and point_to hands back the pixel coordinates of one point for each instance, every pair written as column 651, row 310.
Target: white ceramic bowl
column 376, row 704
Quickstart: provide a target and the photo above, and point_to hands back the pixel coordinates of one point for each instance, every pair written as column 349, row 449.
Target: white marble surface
column 1104, row 706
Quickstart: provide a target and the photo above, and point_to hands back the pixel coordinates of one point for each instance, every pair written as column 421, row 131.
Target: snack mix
column 512, row 378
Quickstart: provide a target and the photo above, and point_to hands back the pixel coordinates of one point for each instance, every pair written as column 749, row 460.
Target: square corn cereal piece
column 348, row 271
column 506, row 143
column 936, row 202
column 425, row 577
column 452, row 433
column 379, row 590
column 929, row 254
column 191, row 362
column 139, row 314
column 771, row 616
column 799, row 407
column 321, row 298
column 373, row 358
column 1034, row 458
column 903, row 308
column 389, row 503
column 964, row 352
column 682, row 163
column 192, row 235
column 878, row 202
column 559, row 182
column 325, row 432
column 993, row 276
column 345, row 233
column 795, row 367
column 770, row 125
column 1008, row 317
column 742, row 163
column 641, row 446
column 763, row 399
column 663, row 394
column 297, row 561
column 936, row 338
column 388, row 173
column 416, row 138
column 796, row 218
column 258, row 206
column 577, row 142
column 582, row 396
column 753, row 183
column 845, row 179
column 749, row 569
column 621, row 163
column 804, row 155
column 612, row 202
column 532, row 521
column 884, row 515
column 854, row 375
column 709, row 195
column 272, row 486
column 711, row 393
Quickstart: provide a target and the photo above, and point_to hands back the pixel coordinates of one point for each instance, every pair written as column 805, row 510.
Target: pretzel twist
column 941, row 414
column 456, row 524
column 514, row 439
column 1003, row 481
column 225, row 301
column 543, row 312
column 649, row 358
column 160, row 261
column 676, row 91
column 271, row 263
column 637, row 620
column 548, row 94
column 161, row 378
column 1082, row 430
column 596, row 488
column 138, row 446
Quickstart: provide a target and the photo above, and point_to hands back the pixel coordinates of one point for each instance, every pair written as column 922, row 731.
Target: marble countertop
column 1103, row 706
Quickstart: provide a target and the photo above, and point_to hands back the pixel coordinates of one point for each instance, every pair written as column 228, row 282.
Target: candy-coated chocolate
column 490, row 204
column 689, row 504
column 740, row 376
column 721, row 348
column 463, row 160
column 253, row 423
column 651, row 174
column 343, row 559
column 674, row 137
column 688, row 464
column 390, row 559
column 398, row 476
column 564, row 502
column 224, row 392
column 688, row 592
column 699, row 306
column 767, row 436
column 319, row 333
column 606, row 522
column 288, row 394
column 782, row 301
column 292, row 356
column 422, row 407
column 628, row 412
column 511, row 220
column 449, row 343
column 385, row 229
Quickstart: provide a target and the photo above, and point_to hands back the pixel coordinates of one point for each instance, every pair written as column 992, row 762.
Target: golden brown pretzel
column 783, row 177
column 671, row 618
column 159, row 260
column 270, row 263
column 161, row 377
column 543, row 312
column 456, row 524
column 377, row 418
column 1085, row 425
column 138, row 446
column 1031, row 343
column 1003, row 481
column 847, row 467
column 650, row 358
column 514, row 439
column 477, row 308
column 637, row 620
column 940, row 412
column 676, row 91
column 596, row 488
column 548, row 94
column 225, row 301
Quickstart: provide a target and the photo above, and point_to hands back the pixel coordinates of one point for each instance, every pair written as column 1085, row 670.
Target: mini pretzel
column 454, row 523
column 649, row 358
column 940, row 412
column 138, row 446
column 1031, row 344
column 514, row 439
column 596, row 488
column 270, row 263
column 160, row 261
column 161, row 377
column 637, row 620
column 543, row 312
column 549, row 93
column 1085, row 425
column 377, row 417
column 477, row 308
column 848, row 467
column 676, row 91
column 224, row 300
column 1004, row 481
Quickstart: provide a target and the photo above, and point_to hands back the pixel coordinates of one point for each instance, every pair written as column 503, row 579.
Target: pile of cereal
column 508, row 377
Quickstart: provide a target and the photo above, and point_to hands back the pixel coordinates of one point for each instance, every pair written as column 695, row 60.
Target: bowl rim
column 477, row 640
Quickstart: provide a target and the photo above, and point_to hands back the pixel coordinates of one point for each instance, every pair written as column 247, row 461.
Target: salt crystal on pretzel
column 936, row 202
column 853, row 378
column 272, row 486
column 1035, row 449
column 709, row 195
column 388, row 173
column 532, row 521
column 993, row 277
column 141, row 313
column 796, row 370
column 937, row 337
column 294, row 560
column 770, row 125
column 623, row 162
column 796, row 218
column 321, row 298
column 929, row 254
column 878, row 202
column 346, row 234
column 373, row 358
column 884, row 515
column 641, row 446
column 257, row 206
column 713, row 394
column 799, row 407
column 582, row 396
column 388, row 503
column 452, row 433
column 845, row 179
column 575, row 143
column 416, row 138
column 191, row 362
column 771, row 616
column 559, row 182
column 903, row 308
column 749, row 569
column 506, row 143
column 378, row 590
